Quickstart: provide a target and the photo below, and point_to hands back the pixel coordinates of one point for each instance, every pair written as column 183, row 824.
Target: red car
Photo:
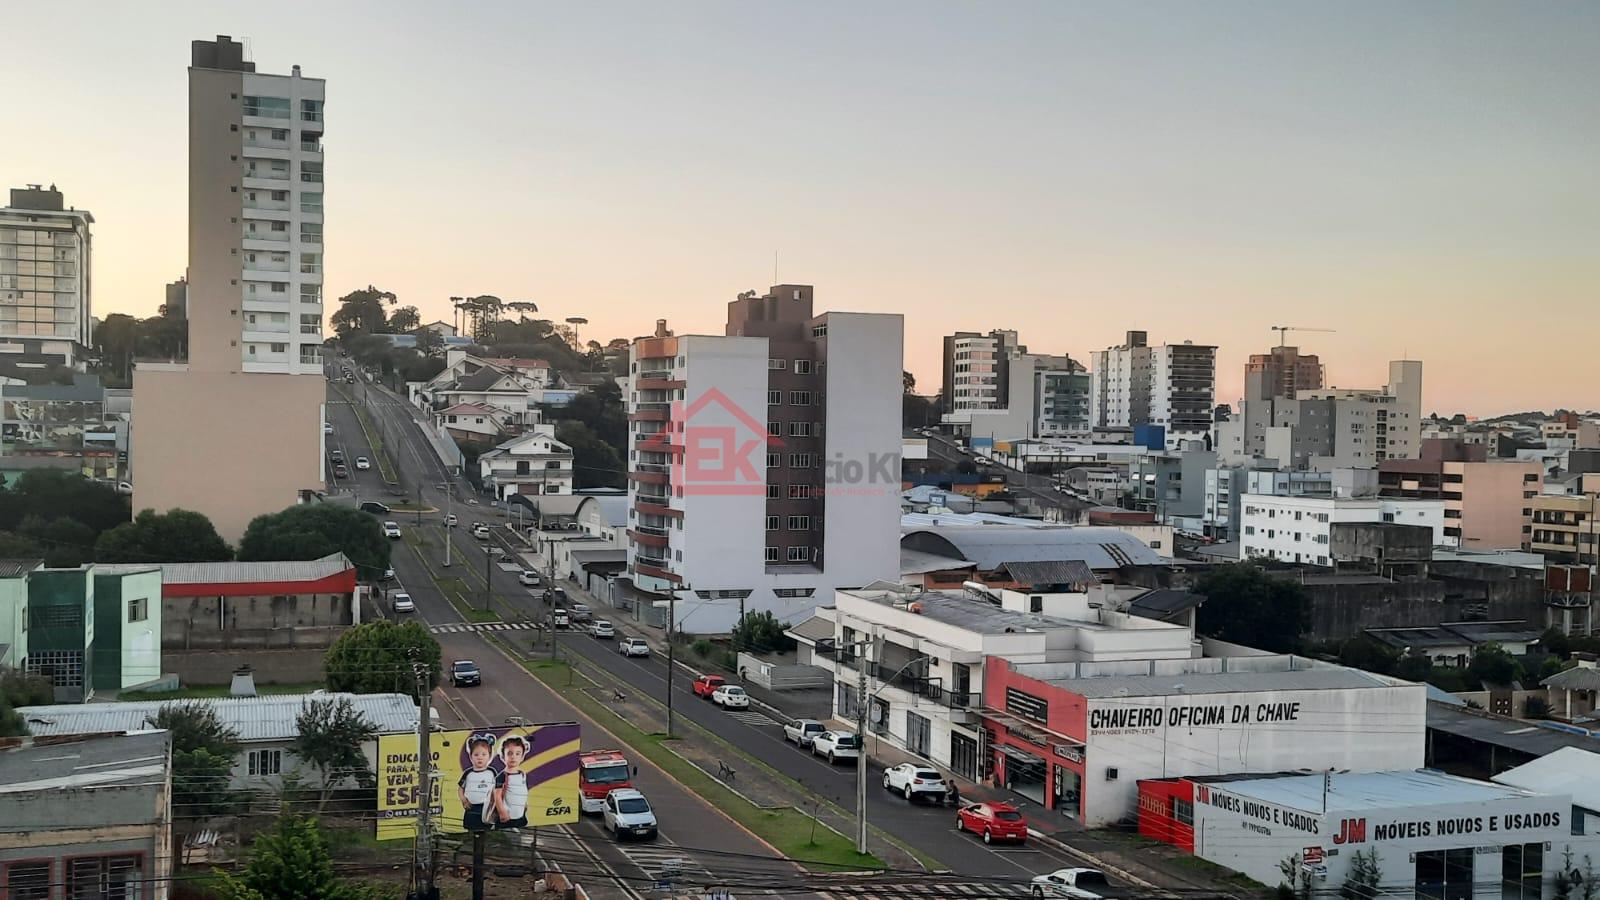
column 995, row 821
column 705, row 685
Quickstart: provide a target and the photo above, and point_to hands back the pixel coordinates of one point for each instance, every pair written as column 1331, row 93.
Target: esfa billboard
column 503, row 778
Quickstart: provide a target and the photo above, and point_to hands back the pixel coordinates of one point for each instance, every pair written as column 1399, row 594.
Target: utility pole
column 861, row 751
column 672, row 643
column 449, row 494
column 424, row 847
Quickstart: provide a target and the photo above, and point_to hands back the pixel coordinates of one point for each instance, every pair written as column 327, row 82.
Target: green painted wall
column 61, row 617
column 127, row 650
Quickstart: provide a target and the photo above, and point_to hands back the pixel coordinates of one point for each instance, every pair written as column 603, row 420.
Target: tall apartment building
column 1171, row 385
column 764, row 464
column 44, row 278
column 975, row 369
column 1487, row 504
column 1331, row 428
column 1283, row 372
column 1566, row 528
column 236, row 430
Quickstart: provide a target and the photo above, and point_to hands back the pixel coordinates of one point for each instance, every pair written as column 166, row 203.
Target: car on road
column 706, row 685
column 602, row 629
column 363, row 463
column 911, row 781
column 633, row 647
column 374, row 507
column 391, row 529
column 627, row 814
column 336, row 455
column 1077, row 883
column 559, row 618
column 836, row 745
column 388, row 574
column 327, row 428
column 993, row 821
column 580, row 612
column 464, row 672
column 528, row 578
column 481, row 532
column 402, row 603
column 555, row 595
column 801, row 731
column 731, row 696
column 349, row 379
column 450, row 521
column 339, row 471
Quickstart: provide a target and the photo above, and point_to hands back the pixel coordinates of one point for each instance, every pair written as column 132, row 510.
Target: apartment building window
column 311, row 232
column 772, row 523
column 774, row 398
column 28, row 880
column 799, row 554
column 311, row 172
column 800, row 429
column 799, row 523
column 310, row 323
column 798, row 491
column 819, row 331
column 311, row 293
column 774, row 492
column 138, row 609
column 280, row 287
column 310, row 111
column 310, row 264
column 63, row 668
column 774, row 460
column 775, row 429
column 265, row 762
column 311, row 201
column 800, row 398
column 802, row 367
column 799, row 460
column 778, row 365
column 118, row 877
column 772, row 554
column 267, row 107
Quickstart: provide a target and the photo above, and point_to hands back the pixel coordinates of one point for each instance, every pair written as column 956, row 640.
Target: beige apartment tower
column 236, row 430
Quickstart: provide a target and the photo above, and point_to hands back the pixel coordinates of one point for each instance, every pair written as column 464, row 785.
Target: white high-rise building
column 1171, row 385
column 764, row 464
column 44, row 277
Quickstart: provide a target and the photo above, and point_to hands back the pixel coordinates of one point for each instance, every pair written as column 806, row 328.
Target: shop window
column 919, row 735
column 1444, row 874
column 1521, row 871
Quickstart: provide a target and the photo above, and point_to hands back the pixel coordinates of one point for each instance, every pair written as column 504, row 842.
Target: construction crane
column 1283, row 331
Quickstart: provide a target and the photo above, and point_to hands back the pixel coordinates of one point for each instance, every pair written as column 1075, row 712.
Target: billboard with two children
column 500, row 778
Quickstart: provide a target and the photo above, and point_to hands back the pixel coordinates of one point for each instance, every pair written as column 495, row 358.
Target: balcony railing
column 269, row 174
column 653, row 468
column 266, row 235
column 652, row 530
column 659, row 373
column 930, row 689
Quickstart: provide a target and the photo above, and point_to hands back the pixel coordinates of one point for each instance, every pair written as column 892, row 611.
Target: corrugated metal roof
column 991, row 546
column 1569, row 770
column 1159, row 604
column 267, row 718
column 14, row 568
column 811, row 630
column 1368, row 790
column 1577, row 678
column 1056, row 571
column 1321, row 678
column 233, row 572
column 916, row 562
column 613, row 510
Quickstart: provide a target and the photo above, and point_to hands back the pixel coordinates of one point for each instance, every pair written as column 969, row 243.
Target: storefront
column 1420, row 833
column 1078, row 737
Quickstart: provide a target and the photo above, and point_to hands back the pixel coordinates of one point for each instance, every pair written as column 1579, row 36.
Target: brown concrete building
column 1566, row 528
column 1281, row 373
column 235, row 430
column 1487, row 504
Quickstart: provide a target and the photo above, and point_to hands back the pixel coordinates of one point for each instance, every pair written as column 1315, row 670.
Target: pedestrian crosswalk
column 929, row 889
column 664, row 861
column 464, row 627
column 751, row 717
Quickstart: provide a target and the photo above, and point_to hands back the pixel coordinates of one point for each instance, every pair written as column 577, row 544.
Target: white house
column 472, row 421
column 1298, row 529
column 535, row 463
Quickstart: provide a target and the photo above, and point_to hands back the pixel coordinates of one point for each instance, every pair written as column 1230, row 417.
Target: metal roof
column 811, row 630
column 991, row 546
column 979, row 616
column 1316, row 678
column 613, row 509
column 1510, row 734
column 1354, row 791
column 15, row 568
column 266, row 718
column 1568, row 770
column 916, row 562
column 236, row 572
column 1058, row 571
column 89, row 765
column 1165, row 602
column 1577, row 678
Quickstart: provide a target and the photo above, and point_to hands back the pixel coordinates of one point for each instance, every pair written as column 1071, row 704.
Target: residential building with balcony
column 534, row 463
column 1171, row 385
column 254, row 304
column 975, row 369
column 1300, row 529
column 1488, row 504
column 1330, row 428
column 1566, row 528
column 922, row 654
column 45, row 298
column 1283, row 372
column 764, row 464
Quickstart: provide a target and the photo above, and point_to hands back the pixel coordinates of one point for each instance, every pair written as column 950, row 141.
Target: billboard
column 501, row 778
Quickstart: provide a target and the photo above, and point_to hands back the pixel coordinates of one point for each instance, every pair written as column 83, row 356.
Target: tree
column 315, row 530
column 595, row 463
column 290, row 862
column 18, row 689
column 177, row 535
column 67, row 542
column 404, row 319
column 376, row 658
column 1245, row 605
column 1367, row 654
column 429, row 341
column 1413, row 667
column 1492, row 665
column 362, row 312
column 1362, row 878
column 51, row 493
column 761, row 633
column 908, row 381
column 203, row 749
column 331, row 733
column 917, row 411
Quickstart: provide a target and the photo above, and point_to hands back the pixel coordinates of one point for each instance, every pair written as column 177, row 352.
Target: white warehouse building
column 1299, row 529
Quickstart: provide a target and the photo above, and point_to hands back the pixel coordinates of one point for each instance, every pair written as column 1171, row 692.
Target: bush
column 760, row 632
column 703, row 648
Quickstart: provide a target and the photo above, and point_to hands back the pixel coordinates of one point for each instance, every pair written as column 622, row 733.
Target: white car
column 362, row 463
column 450, row 521
column 911, row 781
column 388, row 574
column 327, row 428
column 403, row 604
column 1080, row 884
column 391, row 529
column 731, row 696
column 528, row 578
column 801, row 731
column 633, row 647
column 836, row 745
column 627, row 814
column 481, row 532
column 602, row 629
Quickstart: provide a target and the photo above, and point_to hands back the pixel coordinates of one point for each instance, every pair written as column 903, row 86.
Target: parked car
column 339, row 471
column 912, row 781
column 362, row 463
column 836, row 745
column 403, row 604
column 633, row 647
column 602, row 629
column 464, row 672
column 349, row 379
column 580, row 612
column 706, row 685
column 391, row 529
column 374, row 507
column 801, row 731
column 994, row 821
column 559, row 619
column 555, row 595
column 450, row 521
column 388, row 574
column 1080, row 884
column 731, row 696
column 528, row 578
column 327, row 428
column 627, row 814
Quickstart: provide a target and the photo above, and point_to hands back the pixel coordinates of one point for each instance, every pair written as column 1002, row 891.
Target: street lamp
column 863, row 700
column 672, row 665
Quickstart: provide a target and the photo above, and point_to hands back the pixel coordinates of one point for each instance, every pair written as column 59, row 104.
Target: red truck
column 706, row 684
column 599, row 773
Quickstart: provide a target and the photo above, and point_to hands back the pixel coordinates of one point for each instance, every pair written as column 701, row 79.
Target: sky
column 1420, row 177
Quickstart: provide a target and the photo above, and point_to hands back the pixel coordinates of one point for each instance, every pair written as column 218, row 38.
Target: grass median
column 795, row 834
column 455, row 590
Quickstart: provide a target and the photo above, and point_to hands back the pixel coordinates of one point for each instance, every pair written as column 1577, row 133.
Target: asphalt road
column 1039, row 488
column 717, row 849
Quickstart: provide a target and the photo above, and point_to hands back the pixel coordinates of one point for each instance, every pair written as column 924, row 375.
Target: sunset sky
column 1423, row 177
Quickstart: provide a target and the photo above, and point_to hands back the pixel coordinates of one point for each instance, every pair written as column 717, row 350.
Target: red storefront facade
column 1035, row 733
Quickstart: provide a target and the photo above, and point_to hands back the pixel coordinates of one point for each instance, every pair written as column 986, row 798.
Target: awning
column 811, row 630
column 1030, row 731
column 1019, row 755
